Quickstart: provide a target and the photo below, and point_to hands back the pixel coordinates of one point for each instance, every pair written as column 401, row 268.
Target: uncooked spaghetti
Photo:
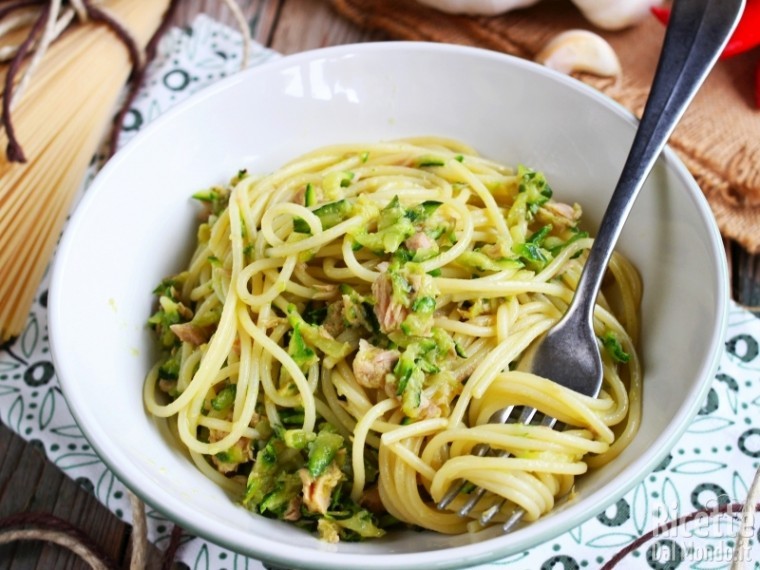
column 60, row 120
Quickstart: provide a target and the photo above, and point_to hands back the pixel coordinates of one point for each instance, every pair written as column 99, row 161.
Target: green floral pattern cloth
column 712, row 465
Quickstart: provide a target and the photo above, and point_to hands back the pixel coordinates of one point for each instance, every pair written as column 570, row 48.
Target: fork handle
column 696, row 34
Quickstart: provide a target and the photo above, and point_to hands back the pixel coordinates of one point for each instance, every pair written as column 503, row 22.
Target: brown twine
column 45, row 527
column 245, row 31
column 741, row 547
column 49, row 528
column 60, row 538
column 98, row 15
column 741, row 550
column 139, row 533
column 139, row 64
column 171, row 550
column 646, row 537
column 138, row 77
column 101, row 16
column 14, row 151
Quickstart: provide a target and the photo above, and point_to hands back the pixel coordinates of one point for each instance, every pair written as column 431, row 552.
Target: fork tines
column 527, row 416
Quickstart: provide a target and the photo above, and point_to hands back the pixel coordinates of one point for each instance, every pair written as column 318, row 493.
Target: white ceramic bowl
column 135, row 225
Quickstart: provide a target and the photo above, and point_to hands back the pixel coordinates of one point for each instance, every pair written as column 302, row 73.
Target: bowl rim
column 458, row 556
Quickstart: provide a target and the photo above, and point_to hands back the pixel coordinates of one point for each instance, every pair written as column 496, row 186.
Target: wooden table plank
column 745, row 277
column 261, row 15
column 312, row 24
column 29, row 483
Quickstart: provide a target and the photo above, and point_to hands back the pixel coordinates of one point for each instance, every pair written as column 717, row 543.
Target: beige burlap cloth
column 718, row 139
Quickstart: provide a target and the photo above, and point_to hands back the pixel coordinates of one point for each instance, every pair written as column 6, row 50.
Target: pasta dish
column 348, row 324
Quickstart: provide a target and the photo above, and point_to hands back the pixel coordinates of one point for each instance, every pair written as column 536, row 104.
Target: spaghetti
column 349, row 323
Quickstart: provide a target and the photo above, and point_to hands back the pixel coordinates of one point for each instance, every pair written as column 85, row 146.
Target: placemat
column 718, row 138
column 712, row 465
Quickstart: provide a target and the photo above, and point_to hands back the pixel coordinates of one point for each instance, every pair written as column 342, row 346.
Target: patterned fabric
column 712, row 465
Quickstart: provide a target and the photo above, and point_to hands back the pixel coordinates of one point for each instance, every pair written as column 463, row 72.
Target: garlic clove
column 580, row 51
column 477, row 7
column 615, row 14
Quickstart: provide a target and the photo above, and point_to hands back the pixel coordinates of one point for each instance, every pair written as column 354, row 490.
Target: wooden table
column 29, row 483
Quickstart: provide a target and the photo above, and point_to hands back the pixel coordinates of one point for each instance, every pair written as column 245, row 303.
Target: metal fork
column 569, row 353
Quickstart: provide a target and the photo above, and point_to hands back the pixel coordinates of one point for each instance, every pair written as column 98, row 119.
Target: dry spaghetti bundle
column 59, row 120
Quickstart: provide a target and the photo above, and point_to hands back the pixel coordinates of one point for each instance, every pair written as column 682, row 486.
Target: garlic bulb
column 606, row 14
column 477, row 7
column 615, row 14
